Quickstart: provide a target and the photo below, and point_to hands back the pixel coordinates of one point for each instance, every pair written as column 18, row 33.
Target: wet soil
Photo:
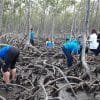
column 42, row 74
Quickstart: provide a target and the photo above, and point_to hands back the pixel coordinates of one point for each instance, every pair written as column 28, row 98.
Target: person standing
column 31, row 37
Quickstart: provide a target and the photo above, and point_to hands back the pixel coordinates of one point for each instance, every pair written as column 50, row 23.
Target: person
column 71, row 48
column 8, row 57
column 31, row 37
column 93, row 44
column 67, row 36
column 98, row 40
column 49, row 44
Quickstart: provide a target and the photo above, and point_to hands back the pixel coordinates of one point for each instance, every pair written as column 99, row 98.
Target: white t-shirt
column 93, row 41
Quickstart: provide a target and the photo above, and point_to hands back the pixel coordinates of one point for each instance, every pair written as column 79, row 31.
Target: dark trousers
column 32, row 42
column 69, row 56
column 96, row 51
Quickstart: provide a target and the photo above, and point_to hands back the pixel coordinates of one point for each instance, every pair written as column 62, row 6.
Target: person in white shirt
column 93, row 45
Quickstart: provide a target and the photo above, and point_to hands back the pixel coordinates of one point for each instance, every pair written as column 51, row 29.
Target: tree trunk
column 53, row 27
column 1, row 13
column 98, row 15
column 86, row 26
column 28, row 16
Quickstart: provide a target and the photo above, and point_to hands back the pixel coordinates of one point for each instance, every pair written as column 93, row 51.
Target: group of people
column 9, row 54
column 73, row 47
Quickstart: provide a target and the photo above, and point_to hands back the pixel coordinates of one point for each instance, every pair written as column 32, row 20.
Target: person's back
column 3, row 50
column 72, row 45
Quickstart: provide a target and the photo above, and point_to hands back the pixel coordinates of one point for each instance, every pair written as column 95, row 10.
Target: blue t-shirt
column 31, row 35
column 49, row 44
column 4, row 50
column 73, row 46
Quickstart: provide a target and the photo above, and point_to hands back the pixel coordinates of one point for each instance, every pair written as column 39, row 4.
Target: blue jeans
column 69, row 56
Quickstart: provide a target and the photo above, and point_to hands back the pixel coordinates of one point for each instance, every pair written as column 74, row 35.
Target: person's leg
column 6, row 77
column 69, row 57
column 93, row 56
column 32, row 42
column 12, row 67
column 13, row 74
column 11, row 59
column 6, row 74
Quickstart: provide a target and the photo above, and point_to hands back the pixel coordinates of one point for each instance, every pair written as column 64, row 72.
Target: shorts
column 10, row 59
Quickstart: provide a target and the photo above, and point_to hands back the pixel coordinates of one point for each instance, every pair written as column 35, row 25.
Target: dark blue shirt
column 3, row 50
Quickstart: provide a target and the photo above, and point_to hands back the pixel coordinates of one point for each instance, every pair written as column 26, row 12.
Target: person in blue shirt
column 49, row 44
column 70, row 49
column 31, row 37
column 8, row 57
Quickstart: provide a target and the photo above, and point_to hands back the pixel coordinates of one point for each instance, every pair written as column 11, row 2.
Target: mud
column 39, row 76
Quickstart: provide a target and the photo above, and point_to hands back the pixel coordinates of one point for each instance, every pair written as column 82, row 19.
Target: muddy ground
column 42, row 74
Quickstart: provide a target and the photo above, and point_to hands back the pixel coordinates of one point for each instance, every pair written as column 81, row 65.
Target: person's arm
column 1, row 63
